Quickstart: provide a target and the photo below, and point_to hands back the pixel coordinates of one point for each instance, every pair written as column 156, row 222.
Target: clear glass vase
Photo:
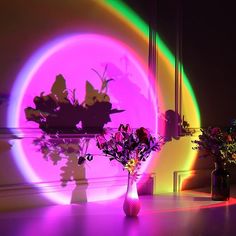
column 131, row 204
column 220, row 183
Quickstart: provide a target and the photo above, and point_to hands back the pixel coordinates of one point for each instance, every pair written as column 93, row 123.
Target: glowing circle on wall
column 76, row 57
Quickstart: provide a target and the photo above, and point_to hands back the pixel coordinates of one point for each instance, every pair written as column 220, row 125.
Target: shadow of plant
column 68, row 126
column 60, row 111
column 170, row 119
column 55, row 148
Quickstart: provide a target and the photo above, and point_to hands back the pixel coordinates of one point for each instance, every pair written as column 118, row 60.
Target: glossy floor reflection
column 189, row 213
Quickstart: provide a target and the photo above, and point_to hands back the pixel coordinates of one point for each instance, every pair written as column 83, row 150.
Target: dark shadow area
column 202, row 199
column 60, row 111
column 97, row 109
column 3, row 98
column 54, row 112
column 170, row 128
column 175, row 127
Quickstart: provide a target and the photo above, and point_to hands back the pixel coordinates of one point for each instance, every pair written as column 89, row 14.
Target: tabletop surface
column 185, row 213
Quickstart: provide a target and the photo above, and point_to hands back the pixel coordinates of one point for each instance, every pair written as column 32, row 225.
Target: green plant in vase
column 220, row 145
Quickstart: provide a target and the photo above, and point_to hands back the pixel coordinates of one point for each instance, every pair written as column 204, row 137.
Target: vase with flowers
column 130, row 147
column 220, row 145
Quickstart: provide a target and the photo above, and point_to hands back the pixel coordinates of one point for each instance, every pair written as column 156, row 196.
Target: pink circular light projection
column 74, row 57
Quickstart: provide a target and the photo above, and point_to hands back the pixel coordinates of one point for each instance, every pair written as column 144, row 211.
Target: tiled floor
column 190, row 213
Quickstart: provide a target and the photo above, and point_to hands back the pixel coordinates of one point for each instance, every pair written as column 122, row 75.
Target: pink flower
column 119, row 148
column 101, row 141
column 119, row 136
column 229, row 138
column 125, row 128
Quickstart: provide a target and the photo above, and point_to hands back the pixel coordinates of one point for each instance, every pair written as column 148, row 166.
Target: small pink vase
column 131, row 204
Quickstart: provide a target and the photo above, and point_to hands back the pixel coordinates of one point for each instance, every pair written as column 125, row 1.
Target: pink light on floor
column 74, row 57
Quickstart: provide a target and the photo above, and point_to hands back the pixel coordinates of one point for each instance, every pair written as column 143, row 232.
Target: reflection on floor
column 188, row 213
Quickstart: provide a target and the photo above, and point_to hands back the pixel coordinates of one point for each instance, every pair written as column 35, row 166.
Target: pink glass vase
column 131, row 204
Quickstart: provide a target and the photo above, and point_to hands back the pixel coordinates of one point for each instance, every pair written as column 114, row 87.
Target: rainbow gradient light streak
column 74, row 56
column 141, row 28
column 190, row 107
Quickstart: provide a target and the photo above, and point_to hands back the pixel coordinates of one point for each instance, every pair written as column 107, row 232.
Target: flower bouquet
column 218, row 143
column 129, row 146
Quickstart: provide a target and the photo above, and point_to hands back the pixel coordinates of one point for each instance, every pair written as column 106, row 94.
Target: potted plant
column 220, row 145
column 130, row 147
